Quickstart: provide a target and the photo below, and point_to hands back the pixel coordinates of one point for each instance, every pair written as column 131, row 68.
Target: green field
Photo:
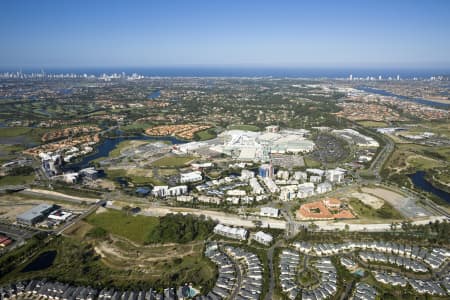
column 27, row 133
column 205, row 135
column 16, row 180
column 125, row 144
column 410, row 157
column 136, row 127
column 366, row 212
column 311, row 163
column 9, row 152
column 172, row 161
column 136, row 179
column 372, row 124
column 135, row 228
column 423, row 163
column 244, row 127
column 14, row 131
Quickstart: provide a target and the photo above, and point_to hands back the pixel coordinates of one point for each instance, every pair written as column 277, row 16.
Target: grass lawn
column 172, row 161
column 12, row 148
column 366, row 212
column 27, row 133
column 146, row 180
column 443, row 151
column 311, row 163
column 65, row 189
column 439, row 127
column 423, row 163
column 9, row 152
column 135, row 228
column 79, row 230
column 136, row 179
column 14, row 131
column 417, row 157
column 125, row 144
column 16, row 180
column 306, row 278
column 205, row 134
column 244, row 127
column 137, row 126
column 372, row 124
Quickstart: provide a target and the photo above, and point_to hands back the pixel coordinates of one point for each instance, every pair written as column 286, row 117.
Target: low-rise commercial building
column 269, row 212
column 231, row 232
column 191, row 177
column 35, row 214
column 263, row 238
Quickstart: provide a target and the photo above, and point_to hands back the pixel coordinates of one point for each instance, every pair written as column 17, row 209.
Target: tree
column 394, row 226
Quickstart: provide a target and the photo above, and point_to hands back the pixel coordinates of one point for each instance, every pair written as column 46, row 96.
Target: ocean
column 247, row 72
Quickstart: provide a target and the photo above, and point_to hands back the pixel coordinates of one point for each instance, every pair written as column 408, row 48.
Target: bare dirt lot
column 367, row 199
column 56, row 195
column 404, row 204
column 119, row 249
column 12, row 205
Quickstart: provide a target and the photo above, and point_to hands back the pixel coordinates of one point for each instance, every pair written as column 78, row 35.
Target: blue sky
column 323, row 34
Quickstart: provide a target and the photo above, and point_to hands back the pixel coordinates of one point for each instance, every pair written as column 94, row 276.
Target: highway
column 382, row 157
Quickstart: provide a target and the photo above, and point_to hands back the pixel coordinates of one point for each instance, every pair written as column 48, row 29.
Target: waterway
column 420, row 182
column 416, row 100
column 43, row 261
column 108, row 144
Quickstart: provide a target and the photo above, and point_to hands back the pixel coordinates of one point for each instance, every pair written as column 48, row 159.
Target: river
column 420, row 182
column 417, row 100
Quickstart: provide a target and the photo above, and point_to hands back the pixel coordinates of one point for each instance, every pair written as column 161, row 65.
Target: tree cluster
column 177, row 228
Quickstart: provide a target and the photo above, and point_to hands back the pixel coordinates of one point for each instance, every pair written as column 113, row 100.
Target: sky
column 168, row 33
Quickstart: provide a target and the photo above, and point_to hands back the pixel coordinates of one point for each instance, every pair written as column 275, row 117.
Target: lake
column 387, row 93
column 420, row 182
column 43, row 261
column 108, row 144
column 154, row 94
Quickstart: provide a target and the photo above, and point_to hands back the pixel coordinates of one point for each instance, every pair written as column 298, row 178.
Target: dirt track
column 57, row 195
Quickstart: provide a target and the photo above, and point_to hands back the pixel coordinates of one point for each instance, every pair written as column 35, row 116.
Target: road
column 348, row 289
column 381, row 158
column 269, row 295
column 237, row 286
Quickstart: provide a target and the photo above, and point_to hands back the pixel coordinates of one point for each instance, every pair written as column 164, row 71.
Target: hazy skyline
column 347, row 34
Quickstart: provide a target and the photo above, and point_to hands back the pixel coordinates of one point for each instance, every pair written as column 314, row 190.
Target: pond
column 43, row 261
column 420, row 182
